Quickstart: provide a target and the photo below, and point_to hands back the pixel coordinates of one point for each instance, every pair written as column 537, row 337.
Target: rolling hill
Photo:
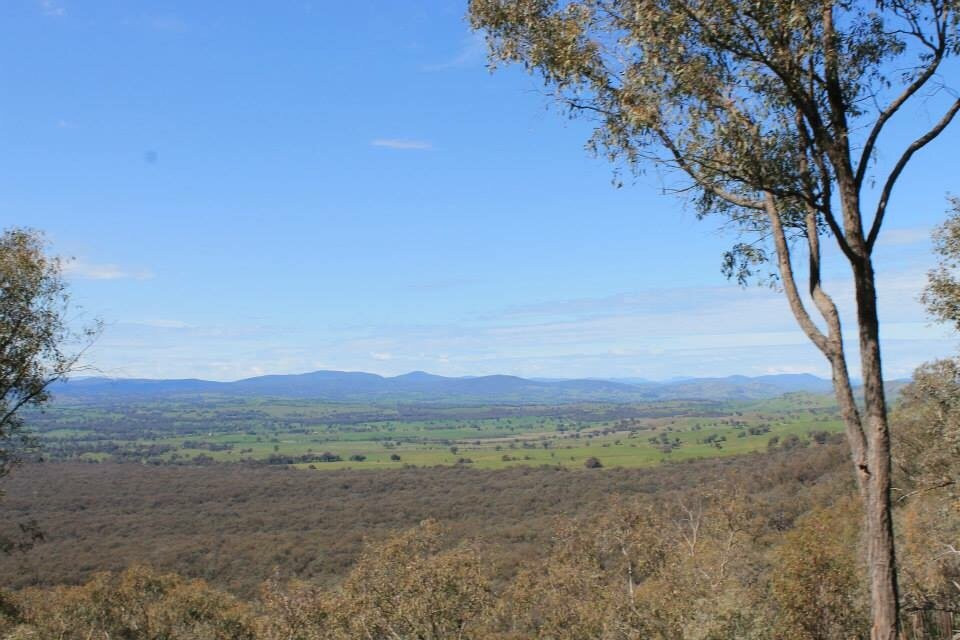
column 418, row 386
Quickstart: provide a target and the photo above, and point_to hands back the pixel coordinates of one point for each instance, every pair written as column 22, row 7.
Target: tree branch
column 732, row 198
column 826, row 190
column 917, row 144
column 892, row 108
column 785, row 268
column 838, row 360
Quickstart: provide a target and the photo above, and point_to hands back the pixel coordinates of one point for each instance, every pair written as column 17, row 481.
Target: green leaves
column 744, row 98
column 34, row 333
column 942, row 293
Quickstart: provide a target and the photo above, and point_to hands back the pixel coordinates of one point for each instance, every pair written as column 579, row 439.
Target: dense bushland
column 234, row 525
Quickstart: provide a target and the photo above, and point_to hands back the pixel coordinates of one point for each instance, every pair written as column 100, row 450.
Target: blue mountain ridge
column 421, row 386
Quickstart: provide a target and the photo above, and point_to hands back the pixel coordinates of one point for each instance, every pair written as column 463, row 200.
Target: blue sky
column 251, row 188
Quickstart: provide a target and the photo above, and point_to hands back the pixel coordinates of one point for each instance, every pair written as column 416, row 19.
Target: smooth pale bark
column 868, row 435
column 879, row 530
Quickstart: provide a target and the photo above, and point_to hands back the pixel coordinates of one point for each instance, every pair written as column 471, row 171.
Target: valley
column 318, row 434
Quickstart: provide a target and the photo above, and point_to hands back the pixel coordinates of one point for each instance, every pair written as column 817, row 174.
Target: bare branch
column 893, row 107
column 917, row 144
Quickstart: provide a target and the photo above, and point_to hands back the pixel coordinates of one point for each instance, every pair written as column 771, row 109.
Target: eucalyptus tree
column 942, row 293
column 772, row 112
column 35, row 333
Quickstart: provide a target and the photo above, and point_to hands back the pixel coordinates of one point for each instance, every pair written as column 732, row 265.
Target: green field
column 315, row 435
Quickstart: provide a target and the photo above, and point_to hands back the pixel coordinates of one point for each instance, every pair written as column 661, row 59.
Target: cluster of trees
column 233, row 525
column 778, row 561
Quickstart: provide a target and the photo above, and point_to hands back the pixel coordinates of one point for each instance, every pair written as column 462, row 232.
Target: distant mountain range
column 418, row 386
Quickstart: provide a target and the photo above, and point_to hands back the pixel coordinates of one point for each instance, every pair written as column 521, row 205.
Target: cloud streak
column 473, row 51
column 91, row 271
column 904, row 236
column 403, row 144
column 655, row 334
column 52, row 9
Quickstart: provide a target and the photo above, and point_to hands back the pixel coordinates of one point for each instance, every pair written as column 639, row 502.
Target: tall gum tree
column 773, row 111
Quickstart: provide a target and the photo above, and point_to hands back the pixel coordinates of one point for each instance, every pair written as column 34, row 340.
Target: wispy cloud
column 404, row 144
column 52, row 9
column 435, row 285
column 699, row 331
column 168, row 23
column 472, row 52
column 899, row 237
column 164, row 323
column 76, row 268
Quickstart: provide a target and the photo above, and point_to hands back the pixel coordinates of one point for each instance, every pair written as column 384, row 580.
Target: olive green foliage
column 35, row 342
column 815, row 584
column 942, row 294
column 928, row 434
column 32, row 304
column 34, row 333
column 733, row 94
column 137, row 603
column 682, row 566
column 926, row 454
column 927, row 457
column 410, row 586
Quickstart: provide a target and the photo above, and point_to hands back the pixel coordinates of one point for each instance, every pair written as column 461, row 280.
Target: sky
column 245, row 188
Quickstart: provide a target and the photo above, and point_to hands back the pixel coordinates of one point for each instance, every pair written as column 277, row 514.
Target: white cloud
column 693, row 331
column 90, row 271
column 402, row 144
column 381, row 355
column 905, row 236
column 472, row 52
column 52, row 9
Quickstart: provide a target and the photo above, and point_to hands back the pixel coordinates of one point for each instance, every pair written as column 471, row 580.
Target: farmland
column 315, row 435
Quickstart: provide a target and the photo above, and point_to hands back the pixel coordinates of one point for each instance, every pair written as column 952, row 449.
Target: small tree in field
column 773, row 111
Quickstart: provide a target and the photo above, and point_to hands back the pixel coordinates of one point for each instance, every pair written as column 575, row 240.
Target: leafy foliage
column 137, row 603
column 34, row 333
column 744, row 98
column 942, row 294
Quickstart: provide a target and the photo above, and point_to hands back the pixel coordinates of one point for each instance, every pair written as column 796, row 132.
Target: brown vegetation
column 233, row 526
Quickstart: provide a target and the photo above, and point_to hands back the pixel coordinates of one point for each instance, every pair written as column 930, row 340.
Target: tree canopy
column 751, row 100
column 35, row 335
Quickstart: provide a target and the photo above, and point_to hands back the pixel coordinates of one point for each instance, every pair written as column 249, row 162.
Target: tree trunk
column 879, row 523
column 869, row 435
